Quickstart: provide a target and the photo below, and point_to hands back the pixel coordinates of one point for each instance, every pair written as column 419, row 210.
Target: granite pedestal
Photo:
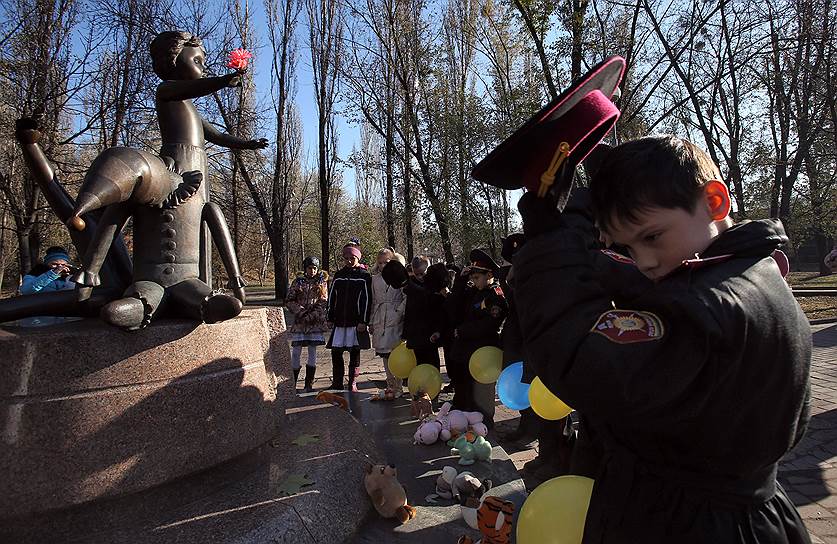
column 88, row 411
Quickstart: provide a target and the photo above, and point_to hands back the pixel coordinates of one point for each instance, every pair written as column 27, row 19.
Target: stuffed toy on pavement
column 449, row 424
column 444, row 483
column 463, row 487
column 388, row 495
column 471, row 448
column 421, row 406
column 333, row 399
column 493, row 520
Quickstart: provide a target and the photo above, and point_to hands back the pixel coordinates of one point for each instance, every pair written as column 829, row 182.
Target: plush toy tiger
column 494, row 521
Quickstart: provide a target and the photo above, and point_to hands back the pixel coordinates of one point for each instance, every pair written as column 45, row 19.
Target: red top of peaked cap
column 567, row 128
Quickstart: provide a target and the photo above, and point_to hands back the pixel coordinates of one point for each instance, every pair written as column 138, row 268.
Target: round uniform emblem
column 629, row 326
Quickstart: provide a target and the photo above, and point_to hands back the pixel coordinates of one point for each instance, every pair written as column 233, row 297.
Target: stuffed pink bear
column 428, row 432
column 460, row 422
column 449, row 423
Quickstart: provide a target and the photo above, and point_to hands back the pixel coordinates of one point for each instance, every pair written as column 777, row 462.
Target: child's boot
column 309, row 378
column 354, row 372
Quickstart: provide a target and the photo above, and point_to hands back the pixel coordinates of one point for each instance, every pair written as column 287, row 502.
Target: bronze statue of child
column 172, row 218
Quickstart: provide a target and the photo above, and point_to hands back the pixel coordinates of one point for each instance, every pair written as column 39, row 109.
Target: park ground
column 808, row 472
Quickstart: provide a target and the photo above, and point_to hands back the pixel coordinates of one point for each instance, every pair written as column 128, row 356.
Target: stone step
column 245, row 500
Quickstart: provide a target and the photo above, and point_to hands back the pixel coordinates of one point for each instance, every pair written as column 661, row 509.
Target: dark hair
column 655, row 171
column 166, row 46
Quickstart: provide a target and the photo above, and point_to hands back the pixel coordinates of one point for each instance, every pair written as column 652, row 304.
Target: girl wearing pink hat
column 349, row 308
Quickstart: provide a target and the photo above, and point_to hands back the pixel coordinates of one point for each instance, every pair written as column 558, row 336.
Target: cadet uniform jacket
column 696, row 385
column 476, row 315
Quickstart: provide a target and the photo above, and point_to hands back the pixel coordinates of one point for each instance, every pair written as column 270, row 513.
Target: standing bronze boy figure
column 171, row 248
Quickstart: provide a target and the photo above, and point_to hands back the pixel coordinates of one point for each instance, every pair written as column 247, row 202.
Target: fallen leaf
column 294, row 483
column 305, row 439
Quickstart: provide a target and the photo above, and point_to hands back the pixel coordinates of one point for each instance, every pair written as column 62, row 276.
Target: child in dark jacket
column 421, row 310
column 697, row 384
column 476, row 312
column 349, row 309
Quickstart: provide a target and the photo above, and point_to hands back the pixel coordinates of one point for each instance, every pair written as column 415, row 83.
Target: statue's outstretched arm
column 216, row 137
column 110, row 226
column 185, row 89
column 214, row 217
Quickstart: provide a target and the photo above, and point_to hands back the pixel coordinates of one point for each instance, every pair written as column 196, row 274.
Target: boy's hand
column 361, row 327
column 540, row 215
column 234, row 79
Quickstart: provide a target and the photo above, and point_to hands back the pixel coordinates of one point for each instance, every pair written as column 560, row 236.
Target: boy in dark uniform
column 476, row 312
column 694, row 381
column 696, row 386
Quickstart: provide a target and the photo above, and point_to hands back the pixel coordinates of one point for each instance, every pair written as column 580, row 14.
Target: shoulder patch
column 629, row 326
column 498, row 291
column 619, row 258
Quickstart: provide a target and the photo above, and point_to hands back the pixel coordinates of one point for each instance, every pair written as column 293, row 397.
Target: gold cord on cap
column 548, row 177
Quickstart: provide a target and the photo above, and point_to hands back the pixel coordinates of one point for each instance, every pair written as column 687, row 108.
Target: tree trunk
column 579, row 7
column 3, row 246
column 408, row 209
column 24, row 255
column 280, row 266
column 325, row 194
column 390, row 184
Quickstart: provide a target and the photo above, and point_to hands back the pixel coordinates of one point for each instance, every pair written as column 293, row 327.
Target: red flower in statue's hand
column 238, row 59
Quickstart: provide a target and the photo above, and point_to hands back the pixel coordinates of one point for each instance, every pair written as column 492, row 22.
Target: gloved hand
column 540, row 214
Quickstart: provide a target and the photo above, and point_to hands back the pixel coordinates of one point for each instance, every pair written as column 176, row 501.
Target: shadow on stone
column 804, row 478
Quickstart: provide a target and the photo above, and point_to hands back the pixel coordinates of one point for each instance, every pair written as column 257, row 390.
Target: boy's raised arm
column 608, row 362
column 171, row 90
column 217, row 137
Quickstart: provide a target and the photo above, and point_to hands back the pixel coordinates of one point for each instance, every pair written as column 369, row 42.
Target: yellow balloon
column 545, row 404
column 425, row 378
column 402, row 360
column 486, row 364
column 555, row 512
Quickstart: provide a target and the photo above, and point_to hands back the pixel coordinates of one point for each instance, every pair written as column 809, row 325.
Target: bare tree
column 325, row 26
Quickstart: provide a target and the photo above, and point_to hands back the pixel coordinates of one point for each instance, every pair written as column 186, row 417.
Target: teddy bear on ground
column 461, row 422
column 463, row 487
column 388, row 495
column 448, row 424
column 444, row 483
column 471, row 448
column 421, row 405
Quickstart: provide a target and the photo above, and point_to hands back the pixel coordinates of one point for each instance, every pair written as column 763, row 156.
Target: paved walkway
column 809, row 472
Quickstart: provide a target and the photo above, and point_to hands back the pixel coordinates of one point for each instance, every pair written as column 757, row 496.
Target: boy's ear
column 717, row 198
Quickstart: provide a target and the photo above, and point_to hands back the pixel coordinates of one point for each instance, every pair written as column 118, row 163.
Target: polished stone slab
column 88, row 411
column 240, row 501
